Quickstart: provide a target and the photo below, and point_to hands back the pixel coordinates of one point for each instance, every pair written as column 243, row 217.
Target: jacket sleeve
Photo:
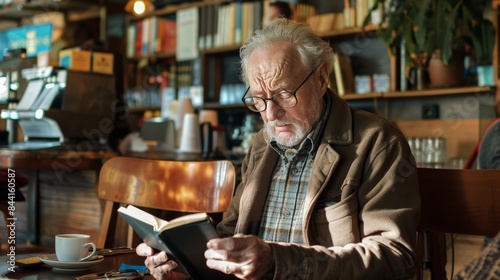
column 388, row 212
column 227, row 226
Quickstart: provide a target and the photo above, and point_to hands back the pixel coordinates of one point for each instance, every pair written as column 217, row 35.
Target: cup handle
column 94, row 251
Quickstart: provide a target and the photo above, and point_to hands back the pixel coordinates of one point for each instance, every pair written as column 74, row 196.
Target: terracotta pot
column 451, row 75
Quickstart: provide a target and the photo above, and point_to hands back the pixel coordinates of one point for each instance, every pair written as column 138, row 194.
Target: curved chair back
column 184, row 186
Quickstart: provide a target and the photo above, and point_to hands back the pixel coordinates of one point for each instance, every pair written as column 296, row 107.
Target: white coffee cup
column 74, row 247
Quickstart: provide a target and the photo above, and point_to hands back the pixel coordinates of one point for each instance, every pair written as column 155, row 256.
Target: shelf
column 216, row 105
column 437, row 92
column 161, row 55
column 221, row 50
column 348, row 31
column 418, row 93
column 355, row 96
column 142, row 109
column 170, row 9
column 16, row 12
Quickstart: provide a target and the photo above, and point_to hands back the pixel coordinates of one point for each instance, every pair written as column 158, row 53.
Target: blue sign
column 33, row 38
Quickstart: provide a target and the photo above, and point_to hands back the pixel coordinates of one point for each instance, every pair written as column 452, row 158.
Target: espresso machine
column 57, row 106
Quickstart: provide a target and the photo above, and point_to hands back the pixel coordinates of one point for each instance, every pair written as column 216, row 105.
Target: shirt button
column 288, row 213
column 295, row 171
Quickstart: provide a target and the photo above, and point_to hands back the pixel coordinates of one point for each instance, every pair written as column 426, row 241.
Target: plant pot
column 451, row 75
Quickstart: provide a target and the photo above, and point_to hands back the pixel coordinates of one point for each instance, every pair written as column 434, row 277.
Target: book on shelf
column 184, row 238
column 187, row 26
column 131, row 40
column 202, row 28
column 336, row 79
column 342, row 77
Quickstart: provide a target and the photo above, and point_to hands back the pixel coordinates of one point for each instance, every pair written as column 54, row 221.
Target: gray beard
column 290, row 142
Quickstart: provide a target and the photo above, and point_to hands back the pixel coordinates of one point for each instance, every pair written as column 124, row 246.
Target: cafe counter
column 64, row 173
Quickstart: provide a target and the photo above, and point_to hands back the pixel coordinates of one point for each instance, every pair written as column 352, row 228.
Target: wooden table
column 43, row 272
column 61, row 160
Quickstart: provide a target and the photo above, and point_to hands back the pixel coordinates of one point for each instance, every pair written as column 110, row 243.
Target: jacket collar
column 339, row 124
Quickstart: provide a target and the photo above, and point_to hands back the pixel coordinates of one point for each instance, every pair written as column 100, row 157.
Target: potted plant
column 433, row 31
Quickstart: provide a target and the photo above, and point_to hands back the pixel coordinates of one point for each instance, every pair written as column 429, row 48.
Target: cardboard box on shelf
column 80, row 60
column 102, row 63
column 75, row 59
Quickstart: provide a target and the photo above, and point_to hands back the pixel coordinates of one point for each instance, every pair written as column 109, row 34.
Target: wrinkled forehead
column 274, row 62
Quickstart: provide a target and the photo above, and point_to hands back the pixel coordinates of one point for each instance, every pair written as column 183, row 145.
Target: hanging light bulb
column 139, row 7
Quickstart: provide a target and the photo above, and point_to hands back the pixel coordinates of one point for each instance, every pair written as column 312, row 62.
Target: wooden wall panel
column 462, row 134
column 69, row 205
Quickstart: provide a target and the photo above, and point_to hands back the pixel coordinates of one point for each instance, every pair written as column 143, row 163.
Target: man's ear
column 324, row 77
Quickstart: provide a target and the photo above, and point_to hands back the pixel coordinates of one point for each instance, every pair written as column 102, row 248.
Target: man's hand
column 160, row 267
column 245, row 256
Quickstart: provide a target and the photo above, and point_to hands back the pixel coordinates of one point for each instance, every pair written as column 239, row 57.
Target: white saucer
column 51, row 260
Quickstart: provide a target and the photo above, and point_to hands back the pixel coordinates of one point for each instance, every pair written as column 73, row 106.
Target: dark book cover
column 186, row 242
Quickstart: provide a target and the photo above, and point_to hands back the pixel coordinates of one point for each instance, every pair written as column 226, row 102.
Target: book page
column 187, row 219
column 144, row 216
column 158, row 224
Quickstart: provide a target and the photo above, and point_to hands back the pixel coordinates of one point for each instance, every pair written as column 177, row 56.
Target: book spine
column 402, row 58
column 338, row 75
column 131, row 34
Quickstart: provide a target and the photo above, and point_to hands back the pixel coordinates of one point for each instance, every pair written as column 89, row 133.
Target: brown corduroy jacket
column 363, row 162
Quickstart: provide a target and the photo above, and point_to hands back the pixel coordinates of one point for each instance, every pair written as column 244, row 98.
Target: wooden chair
column 454, row 201
column 185, row 186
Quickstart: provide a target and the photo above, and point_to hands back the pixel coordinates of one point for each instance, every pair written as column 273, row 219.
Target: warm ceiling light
column 139, row 7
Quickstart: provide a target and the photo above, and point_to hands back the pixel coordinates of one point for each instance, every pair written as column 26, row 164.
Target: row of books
column 218, row 25
column 228, row 24
column 140, row 98
column 355, row 12
column 151, row 35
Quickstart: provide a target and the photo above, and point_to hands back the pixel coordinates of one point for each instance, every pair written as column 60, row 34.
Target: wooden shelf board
column 170, row 54
column 436, row 92
column 221, row 50
column 50, row 5
column 15, row 13
column 217, row 105
column 348, row 31
column 170, row 9
column 142, row 109
column 355, row 96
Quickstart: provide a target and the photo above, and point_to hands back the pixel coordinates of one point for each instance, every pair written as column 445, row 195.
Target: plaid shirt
column 282, row 218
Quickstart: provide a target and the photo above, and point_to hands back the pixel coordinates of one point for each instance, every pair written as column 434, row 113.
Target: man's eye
column 284, row 95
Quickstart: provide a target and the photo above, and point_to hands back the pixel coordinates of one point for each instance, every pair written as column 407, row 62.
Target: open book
column 185, row 238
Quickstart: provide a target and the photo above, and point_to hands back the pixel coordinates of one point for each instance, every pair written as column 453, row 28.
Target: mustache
column 279, row 122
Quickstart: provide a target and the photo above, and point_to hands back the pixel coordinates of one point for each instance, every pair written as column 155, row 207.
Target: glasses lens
column 284, row 99
column 255, row 104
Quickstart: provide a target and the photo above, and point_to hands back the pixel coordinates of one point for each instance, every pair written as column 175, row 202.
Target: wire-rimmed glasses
column 283, row 99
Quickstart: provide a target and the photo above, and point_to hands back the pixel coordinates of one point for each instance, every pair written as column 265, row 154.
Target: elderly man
column 327, row 191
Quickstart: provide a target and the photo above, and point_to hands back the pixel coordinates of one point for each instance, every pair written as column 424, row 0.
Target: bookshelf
column 214, row 59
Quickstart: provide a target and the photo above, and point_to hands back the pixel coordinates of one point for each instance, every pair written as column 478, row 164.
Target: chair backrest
column 184, row 186
column 455, row 201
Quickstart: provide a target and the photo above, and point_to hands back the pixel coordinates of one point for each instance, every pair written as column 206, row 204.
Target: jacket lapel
column 326, row 161
column 255, row 194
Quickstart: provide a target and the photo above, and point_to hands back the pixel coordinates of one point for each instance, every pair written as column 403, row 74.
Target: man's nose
column 273, row 111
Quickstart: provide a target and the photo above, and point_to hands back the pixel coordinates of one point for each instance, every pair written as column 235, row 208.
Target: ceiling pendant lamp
column 139, row 7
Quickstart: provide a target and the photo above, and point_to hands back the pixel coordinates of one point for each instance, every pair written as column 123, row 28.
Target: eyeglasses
column 283, row 99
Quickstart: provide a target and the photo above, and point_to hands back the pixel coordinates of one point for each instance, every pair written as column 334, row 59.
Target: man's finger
column 144, row 250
